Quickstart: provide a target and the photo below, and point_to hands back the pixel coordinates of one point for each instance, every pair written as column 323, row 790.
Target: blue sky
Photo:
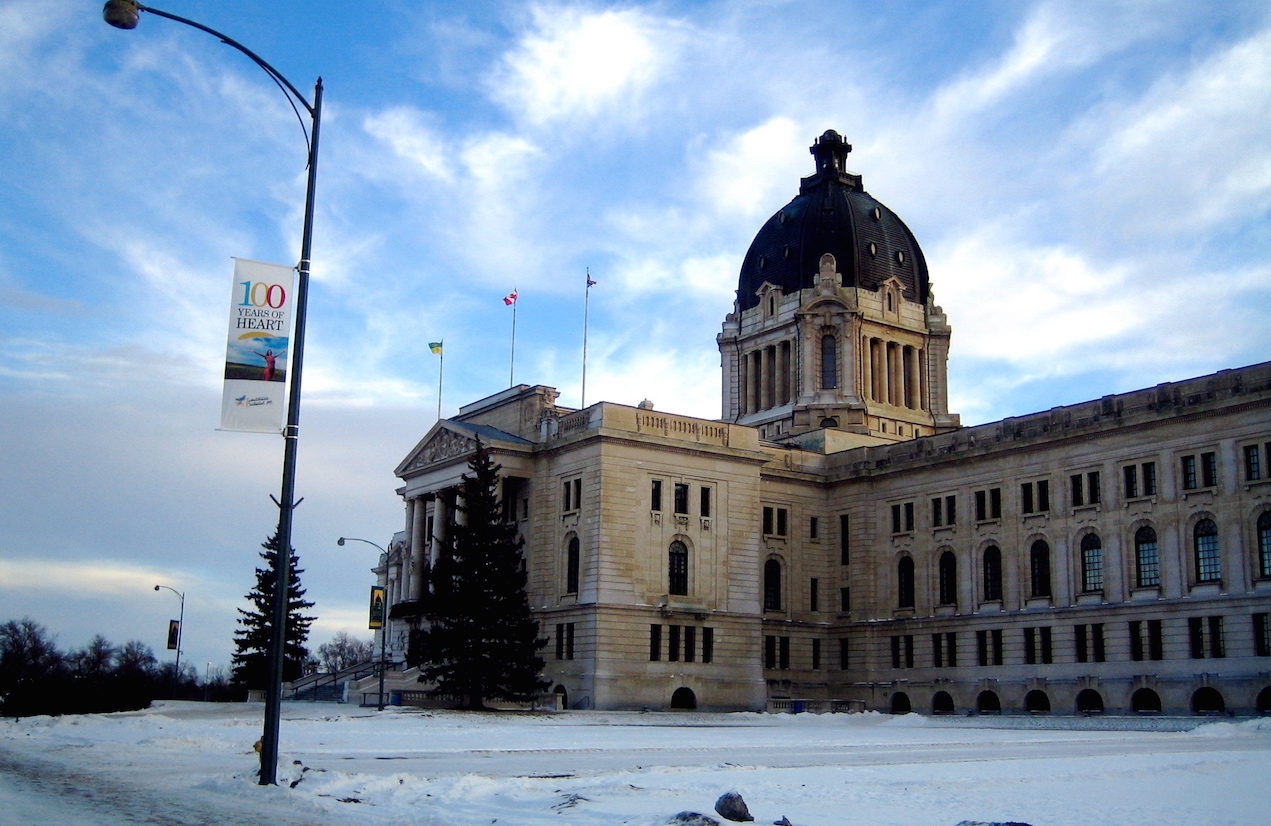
column 1090, row 182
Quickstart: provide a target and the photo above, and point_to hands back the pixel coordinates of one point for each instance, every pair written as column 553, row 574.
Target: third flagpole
column 582, row 402
column 510, row 298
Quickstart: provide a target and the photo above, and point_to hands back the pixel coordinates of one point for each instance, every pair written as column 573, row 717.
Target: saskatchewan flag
column 435, row 346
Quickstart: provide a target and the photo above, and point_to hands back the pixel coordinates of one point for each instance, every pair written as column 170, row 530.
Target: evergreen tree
column 480, row 641
column 251, row 660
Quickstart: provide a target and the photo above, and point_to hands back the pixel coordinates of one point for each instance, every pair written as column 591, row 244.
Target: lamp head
column 340, row 542
column 122, row 14
column 157, row 587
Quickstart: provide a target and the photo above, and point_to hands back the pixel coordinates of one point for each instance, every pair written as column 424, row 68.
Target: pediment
column 447, row 441
column 442, row 444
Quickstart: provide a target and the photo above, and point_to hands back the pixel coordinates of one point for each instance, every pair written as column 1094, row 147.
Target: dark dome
column 833, row 213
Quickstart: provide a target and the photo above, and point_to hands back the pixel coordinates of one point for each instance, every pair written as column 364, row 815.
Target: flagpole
column 441, row 371
column 582, row 401
column 512, row 364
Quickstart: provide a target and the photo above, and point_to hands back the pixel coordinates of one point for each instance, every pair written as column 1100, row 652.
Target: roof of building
column 833, row 213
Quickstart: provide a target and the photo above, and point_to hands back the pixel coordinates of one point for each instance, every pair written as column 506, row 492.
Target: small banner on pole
column 377, row 607
column 256, row 355
column 174, row 634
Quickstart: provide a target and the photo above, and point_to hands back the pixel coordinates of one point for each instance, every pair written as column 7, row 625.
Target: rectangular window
column 770, row 652
column 690, row 643
column 951, row 510
column 673, row 643
column 1083, row 643
column 1094, row 495
column 944, row 650
column 655, row 643
column 560, row 640
column 708, row 645
column 895, row 519
column 1209, row 469
column 995, row 503
column 814, row 600
column 1092, row 569
column 981, row 505
column 907, row 650
column 909, row 516
column 1026, row 497
column 1149, row 478
column 843, row 650
column 1030, row 646
column 937, row 512
column 782, row 520
column 813, row 527
column 655, row 499
column 1131, row 473
column 1043, row 496
column 1196, row 636
column 816, row 655
column 567, row 501
column 844, row 540
column 1096, row 641
column 1188, row 469
column 1253, row 463
column 705, row 502
column 1155, row 643
column 1078, row 490
column 1136, row 640
column 1037, row 648
column 1217, row 648
column 783, row 653
column 767, row 521
column 681, row 498
column 1262, row 635
column 845, row 599
column 988, row 646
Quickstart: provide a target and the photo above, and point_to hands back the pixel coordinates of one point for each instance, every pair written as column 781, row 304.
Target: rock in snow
column 691, row 819
column 732, row 807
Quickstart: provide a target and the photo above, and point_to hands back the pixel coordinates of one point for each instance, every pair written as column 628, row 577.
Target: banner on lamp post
column 377, row 607
column 256, row 354
column 174, row 634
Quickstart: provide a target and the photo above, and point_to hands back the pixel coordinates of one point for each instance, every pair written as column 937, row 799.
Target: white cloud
column 404, row 129
column 576, row 62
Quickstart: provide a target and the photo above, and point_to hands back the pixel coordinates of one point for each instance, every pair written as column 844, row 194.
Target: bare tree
column 345, row 651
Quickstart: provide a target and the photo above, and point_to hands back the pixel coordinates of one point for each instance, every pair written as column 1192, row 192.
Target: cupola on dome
column 833, row 213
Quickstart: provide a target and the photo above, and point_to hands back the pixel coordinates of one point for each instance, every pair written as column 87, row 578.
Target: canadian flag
column 510, row 298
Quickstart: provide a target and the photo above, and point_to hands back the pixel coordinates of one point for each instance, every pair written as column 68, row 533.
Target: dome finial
column 830, row 151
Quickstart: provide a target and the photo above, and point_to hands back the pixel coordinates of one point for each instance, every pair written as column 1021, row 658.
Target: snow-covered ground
column 193, row 763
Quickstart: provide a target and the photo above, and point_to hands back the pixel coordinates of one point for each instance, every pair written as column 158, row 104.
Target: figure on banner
column 270, row 361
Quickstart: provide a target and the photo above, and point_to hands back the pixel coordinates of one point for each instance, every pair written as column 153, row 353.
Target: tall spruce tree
column 480, row 642
column 251, row 660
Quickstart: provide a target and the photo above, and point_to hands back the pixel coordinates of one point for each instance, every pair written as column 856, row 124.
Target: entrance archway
column 1207, row 700
column 1145, row 701
column 1037, row 702
column 988, row 703
column 684, row 698
column 942, row 703
column 900, row 703
column 1089, row 702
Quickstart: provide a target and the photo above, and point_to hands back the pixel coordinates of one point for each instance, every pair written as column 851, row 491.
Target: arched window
column 1264, row 545
column 571, row 566
column 772, row 585
column 900, row 703
column 905, row 582
column 1145, row 701
column 1039, row 566
column 988, row 703
column 1037, row 702
column 942, row 703
column 992, row 573
column 1147, row 563
column 829, row 363
column 948, row 579
column 1091, row 563
column 1089, row 702
column 1205, row 538
column 677, row 568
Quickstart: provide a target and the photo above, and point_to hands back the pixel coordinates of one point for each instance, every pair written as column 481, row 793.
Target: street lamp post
column 125, row 14
column 384, row 628
column 180, row 630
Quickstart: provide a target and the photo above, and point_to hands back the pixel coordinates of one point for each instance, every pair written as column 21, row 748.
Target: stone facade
column 838, row 539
